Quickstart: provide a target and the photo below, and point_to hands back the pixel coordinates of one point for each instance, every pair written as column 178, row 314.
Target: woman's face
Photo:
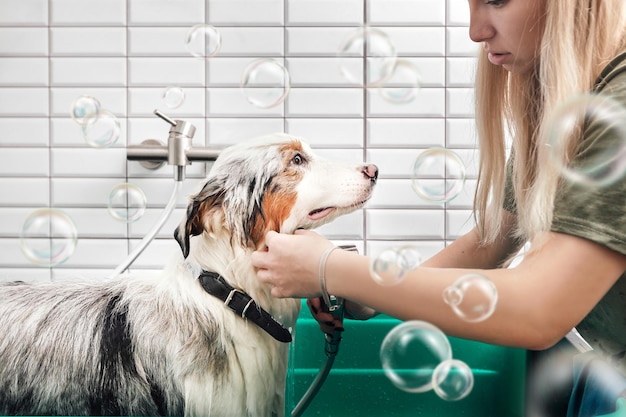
column 510, row 31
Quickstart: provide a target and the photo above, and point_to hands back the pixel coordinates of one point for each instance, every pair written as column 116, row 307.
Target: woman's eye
column 495, row 2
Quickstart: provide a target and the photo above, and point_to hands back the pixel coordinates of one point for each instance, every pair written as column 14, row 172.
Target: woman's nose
column 480, row 28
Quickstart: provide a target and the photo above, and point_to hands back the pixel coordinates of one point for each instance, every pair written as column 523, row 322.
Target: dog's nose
column 370, row 171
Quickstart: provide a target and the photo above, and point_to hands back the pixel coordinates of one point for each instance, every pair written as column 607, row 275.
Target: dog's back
column 133, row 346
column 68, row 349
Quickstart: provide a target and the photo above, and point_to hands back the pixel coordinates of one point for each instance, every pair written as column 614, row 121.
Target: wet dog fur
column 160, row 345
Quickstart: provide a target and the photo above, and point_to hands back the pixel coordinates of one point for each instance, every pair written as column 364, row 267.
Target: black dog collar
column 243, row 305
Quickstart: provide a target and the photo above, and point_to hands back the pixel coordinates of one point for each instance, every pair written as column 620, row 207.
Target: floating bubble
column 392, row 264
column 453, row 380
column 438, row 175
column 602, row 121
column 48, row 237
column 550, row 381
column 83, row 107
column 409, row 258
column 203, row 41
column 411, row 352
column 472, row 297
column 403, row 84
column 380, row 52
column 385, row 268
column 173, row 97
column 127, row 203
column 265, row 83
column 101, row 130
column 551, row 378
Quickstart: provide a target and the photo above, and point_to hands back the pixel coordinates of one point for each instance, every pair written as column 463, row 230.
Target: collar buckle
column 243, row 295
column 240, row 303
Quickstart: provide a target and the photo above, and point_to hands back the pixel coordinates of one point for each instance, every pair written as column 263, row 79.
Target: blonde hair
column 579, row 39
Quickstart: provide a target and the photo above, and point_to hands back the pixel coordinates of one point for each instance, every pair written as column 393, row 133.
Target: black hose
column 331, row 347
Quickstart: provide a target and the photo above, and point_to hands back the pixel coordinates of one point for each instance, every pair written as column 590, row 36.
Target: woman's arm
column 465, row 252
column 468, row 252
column 539, row 301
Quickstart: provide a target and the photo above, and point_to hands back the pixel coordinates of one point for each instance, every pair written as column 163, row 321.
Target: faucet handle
column 164, row 117
column 178, row 126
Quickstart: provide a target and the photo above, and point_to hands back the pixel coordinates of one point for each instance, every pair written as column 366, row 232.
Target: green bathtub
column 357, row 386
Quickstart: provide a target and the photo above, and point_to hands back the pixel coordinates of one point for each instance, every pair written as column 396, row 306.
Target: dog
column 204, row 337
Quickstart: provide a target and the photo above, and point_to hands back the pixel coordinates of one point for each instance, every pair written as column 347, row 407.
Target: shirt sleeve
column 597, row 212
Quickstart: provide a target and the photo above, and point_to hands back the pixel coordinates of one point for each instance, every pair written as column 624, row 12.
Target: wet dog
column 204, row 337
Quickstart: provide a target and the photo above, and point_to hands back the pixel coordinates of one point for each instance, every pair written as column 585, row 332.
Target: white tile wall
column 127, row 52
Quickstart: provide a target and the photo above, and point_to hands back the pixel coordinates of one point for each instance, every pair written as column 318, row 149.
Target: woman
column 536, row 55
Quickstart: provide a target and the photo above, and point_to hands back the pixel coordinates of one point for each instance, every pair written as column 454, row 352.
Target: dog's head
column 274, row 183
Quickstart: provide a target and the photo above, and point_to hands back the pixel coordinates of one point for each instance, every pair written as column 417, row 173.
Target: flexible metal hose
column 171, row 204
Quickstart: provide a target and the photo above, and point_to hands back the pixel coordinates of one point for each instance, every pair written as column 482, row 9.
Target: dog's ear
column 244, row 195
column 198, row 209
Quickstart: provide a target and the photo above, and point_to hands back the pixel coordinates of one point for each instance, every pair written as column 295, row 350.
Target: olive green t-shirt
column 598, row 213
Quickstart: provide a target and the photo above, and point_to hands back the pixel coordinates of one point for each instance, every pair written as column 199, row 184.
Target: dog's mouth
column 320, row 213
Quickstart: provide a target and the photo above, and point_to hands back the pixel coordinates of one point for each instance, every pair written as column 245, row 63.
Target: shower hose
column 331, row 347
column 171, row 204
column 331, row 344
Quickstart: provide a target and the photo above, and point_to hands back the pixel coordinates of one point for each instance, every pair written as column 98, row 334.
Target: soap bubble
column 203, row 41
column 598, row 114
column 453, row 380
column 551, row 376
column 101, row 130
column 127, row 203
column 411, row 352
column 377, row 47
column 48, row 237
column 550, row 379
column 438, row 175
column 472, row 297
column 173, row 97
column 409, row 258
column 84, row 106
column 392, row 264
column 403, row 84
column 265, row 83
column 385, row 268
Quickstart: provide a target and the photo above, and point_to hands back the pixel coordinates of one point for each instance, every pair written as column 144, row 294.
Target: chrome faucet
column 178, row 152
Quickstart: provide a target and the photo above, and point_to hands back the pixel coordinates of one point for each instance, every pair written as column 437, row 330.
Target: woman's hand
column 290, row 264
column 328, row 323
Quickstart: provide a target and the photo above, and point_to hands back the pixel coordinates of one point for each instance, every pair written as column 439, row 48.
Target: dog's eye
column 297, row 159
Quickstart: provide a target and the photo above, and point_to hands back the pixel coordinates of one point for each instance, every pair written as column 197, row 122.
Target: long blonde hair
column 579, row 39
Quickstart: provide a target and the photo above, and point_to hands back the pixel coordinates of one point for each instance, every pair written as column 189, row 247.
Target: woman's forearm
column 419, row 296
column 538, row 302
